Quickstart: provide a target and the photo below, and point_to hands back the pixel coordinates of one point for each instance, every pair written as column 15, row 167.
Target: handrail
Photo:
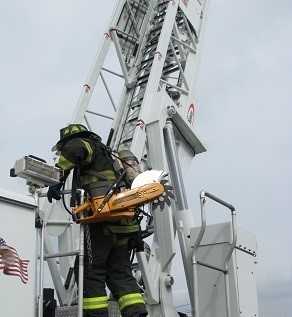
column 195, row 262
column 203, row 196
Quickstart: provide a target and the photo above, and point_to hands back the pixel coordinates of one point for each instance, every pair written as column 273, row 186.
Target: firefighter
column 107, row 256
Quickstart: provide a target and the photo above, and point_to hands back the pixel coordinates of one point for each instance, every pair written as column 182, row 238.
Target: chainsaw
column 147, row 187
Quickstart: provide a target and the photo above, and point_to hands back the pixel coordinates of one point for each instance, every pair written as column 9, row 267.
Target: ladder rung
column 151, row 44
column 212, row 267
column 59, row 223
column 150, row 49
column 147, row 60
column 156, row 29
column 136, row 104
column 158, row 16
column 143, row 76
column 138, row 6
column 171, row 71
column 61, row 255
column 148, row 73
column 168, row 66
column 165, row 3
column 143, row 68
column 126, row 39
column 131, row 120
column 127, row 140
column 125, row 35
column 141, row 83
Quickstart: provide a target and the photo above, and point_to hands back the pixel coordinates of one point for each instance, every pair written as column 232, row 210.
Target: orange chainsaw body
column 120, row 206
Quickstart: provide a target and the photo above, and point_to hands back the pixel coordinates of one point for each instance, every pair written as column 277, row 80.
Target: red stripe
column 11, row 264
column 17, row 267
column 10, row 270
column 22, row 267
column 15, row 264
column 16, row 272
column 15, row 259
column 23, row 280
column 6, row 247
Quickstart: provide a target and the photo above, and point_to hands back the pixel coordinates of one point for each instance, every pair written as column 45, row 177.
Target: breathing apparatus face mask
column 132, row 168
column 130, row 164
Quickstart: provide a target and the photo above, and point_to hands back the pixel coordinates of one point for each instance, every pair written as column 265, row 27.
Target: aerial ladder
column 154, row 48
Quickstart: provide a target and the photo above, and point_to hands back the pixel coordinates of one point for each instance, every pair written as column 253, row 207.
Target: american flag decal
column 10, row 262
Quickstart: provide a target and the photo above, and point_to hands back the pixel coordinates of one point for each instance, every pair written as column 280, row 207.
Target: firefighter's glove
column 54, row 192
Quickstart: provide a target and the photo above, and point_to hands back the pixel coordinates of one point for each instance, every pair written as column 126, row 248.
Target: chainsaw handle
column 81, row 208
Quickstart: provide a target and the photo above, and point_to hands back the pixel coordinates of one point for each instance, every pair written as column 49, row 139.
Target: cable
column 107, row 148
column 64, row 202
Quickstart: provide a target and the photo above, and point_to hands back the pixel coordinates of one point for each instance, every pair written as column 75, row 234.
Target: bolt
column 171, row 111
column 169, row 280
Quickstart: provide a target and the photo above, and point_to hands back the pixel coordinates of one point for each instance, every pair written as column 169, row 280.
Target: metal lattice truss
column 155, row 44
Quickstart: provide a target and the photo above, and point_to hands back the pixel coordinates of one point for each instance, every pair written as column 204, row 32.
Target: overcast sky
column 244, row 99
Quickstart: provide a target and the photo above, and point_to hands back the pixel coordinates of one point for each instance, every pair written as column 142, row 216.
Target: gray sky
column 244, row 96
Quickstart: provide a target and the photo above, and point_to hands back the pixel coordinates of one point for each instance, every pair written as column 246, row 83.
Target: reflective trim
column 130, row 299
column 75, row 129
column 95, row 302
column 89, row 151
column 72, row 129
column 64, row 164
column 123, row 228
column 66, row 131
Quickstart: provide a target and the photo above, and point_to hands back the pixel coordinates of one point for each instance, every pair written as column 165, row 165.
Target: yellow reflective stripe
column 75, row 128
column 95, row 302
column 64, row 164
column 130, row 299
column 89, row 151
column 66, row 131
column 123, row 228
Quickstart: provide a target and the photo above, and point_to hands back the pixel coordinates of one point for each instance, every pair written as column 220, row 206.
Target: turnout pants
column 107, row 261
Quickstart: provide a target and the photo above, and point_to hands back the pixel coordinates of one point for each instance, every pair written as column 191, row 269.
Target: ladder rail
column 44, row 253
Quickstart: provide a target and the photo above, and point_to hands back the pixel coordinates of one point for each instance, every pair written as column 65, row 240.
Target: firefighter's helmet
column 72, row 131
